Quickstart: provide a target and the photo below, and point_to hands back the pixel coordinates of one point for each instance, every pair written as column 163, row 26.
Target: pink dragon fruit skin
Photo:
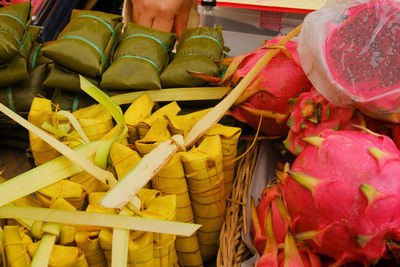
column 268, row 201
column 311, row 114
column 343, row 194
column 280, row 247
column 268, row 94
column 363, row 58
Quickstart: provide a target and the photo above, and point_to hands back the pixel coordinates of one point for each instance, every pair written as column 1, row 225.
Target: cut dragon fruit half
column 363, row 53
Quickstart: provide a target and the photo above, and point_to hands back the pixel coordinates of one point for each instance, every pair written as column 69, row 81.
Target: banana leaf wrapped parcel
column 19, row 97
column 141, row 56
column 14, row 21
column 87, row 43
column 16, row 69
column 64, row 78
column 197, row 51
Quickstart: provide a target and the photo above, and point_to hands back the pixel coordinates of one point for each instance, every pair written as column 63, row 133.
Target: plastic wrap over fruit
column 350, row 51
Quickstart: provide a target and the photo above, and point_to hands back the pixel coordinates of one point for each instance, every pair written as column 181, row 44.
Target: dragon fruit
column 352, row 56
column 343, row 195
column 271, row 197
column 311, row 114
column 279, row 247
column 267, row 96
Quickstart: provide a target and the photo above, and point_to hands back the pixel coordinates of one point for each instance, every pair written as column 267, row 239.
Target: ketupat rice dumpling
column 205, row 178
column 95, row 121
column 197, row 51
column 141, row 56
column 87, row 43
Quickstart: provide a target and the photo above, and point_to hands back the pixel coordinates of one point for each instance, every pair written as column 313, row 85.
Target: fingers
column 180, row 21
column 140, row 16
column 163, row 23
column 136, row 11
column 162, row 15
column 146, row 19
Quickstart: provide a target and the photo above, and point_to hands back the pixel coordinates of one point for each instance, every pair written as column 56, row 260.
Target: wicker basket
column 232, row 250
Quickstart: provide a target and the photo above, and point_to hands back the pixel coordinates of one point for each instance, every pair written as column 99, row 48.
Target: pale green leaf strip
column 120, row 242
column 102, row 153
column 43, row 252
column 75, row 123
column 43, row 175
column 58, row 133
column 175, row 94
column 99, row 219
column 24, row 222
column 104, row 99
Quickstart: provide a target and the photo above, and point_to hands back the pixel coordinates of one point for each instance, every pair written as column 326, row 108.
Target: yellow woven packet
column 171, row 180
column 95, row 121
column 204, row 173
column 67, row 232
column 168, row 110
column 164, row 208
column 28, row 201
column 157, row 133
column 114, row 133
column 89, row 183
column 88, row 242
column 138, row 111
column 62, row 256
column 94, row 198
column 123, row 158
column 16, row 242
column 146, row 197
column 39, row 113
column 70, row 191
column 181, row 124
column 140, row 247
column 229, row 140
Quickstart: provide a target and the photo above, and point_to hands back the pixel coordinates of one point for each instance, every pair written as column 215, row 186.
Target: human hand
column 162, row 15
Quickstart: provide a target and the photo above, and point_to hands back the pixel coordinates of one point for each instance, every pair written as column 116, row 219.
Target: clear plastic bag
column 350, row 51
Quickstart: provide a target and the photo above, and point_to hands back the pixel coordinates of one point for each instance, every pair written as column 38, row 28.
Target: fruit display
column 336, row 202
column 134, row 166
